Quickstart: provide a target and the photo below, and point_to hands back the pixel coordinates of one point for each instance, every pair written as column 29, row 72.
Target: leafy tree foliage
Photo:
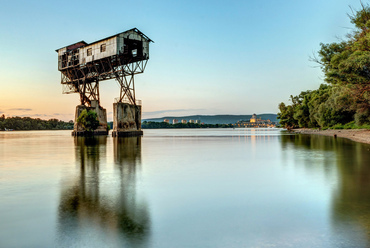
column 286, row 116
column 27, row 123
column 88, row 120
column 346, row 96
column 156, row 125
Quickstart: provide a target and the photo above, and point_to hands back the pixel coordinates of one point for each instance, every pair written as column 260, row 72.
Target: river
column 183, row 188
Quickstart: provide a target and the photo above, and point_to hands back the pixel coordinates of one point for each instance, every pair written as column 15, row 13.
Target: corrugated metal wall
column 113, row 46
column 111, row 49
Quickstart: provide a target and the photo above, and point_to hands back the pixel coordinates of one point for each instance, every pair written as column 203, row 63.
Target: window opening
column 103, row 48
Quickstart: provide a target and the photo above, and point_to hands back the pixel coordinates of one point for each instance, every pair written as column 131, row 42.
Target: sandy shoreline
column 358, row 135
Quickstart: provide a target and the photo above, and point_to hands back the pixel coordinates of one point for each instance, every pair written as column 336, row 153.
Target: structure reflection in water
column 101, row 202
column 134, row 216
column 350, row 205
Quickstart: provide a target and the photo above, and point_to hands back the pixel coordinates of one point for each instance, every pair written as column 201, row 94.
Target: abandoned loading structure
column 83, row 66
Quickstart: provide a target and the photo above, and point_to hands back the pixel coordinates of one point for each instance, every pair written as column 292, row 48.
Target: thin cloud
column 42, row 116
column 31, row 116
column 169, row 111
column 20, row 109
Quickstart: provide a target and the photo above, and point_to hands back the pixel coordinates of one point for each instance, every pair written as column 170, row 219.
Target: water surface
column 183, row 188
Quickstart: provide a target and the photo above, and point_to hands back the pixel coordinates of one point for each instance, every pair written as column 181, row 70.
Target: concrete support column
column 101, row 112
column 126, row 120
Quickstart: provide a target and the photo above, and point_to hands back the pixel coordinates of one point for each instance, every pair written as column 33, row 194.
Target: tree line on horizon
column 343, row 100
column 156, row 125
column 28, row 123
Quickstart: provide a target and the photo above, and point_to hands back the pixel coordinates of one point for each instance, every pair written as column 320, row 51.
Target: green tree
column 347, row 64
column 286, row 116
column 88, row 120
column 346, row 96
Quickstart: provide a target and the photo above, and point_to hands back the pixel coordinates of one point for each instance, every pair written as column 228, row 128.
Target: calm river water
column 183, row 188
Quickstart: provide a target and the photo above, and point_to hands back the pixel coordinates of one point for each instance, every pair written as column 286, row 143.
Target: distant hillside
column 215, row 119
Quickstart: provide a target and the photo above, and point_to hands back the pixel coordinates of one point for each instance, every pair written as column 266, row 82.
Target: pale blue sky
column 209, row 57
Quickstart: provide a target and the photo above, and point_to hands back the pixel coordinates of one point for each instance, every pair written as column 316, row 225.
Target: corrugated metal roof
column 72, row 45
column 133, row 29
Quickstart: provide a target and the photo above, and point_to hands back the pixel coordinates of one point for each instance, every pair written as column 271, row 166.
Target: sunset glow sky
column 209, row 57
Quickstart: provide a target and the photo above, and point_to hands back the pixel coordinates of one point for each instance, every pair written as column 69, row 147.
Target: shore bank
column 358, row 135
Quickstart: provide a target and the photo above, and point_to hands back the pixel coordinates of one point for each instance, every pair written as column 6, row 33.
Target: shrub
column 88, row 120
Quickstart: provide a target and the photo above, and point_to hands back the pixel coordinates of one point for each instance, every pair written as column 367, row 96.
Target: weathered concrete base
column 101, row 112
column 126, row 120
column 84, row 133
column 127, row 133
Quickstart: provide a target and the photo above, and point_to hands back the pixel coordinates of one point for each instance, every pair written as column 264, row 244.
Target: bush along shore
column 156, row 125
column 343, row 100
column 27, row 123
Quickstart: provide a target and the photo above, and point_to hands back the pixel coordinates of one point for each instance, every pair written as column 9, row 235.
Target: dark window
column 103, row 48
column 89, row 52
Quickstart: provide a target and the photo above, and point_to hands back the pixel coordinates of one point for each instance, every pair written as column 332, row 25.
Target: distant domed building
column 255, row 122
column 253, row 119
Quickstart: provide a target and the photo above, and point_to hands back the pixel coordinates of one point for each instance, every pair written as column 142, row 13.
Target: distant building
column 253, row 119
column 175, row 121
column 184, row 121
column 191, row 121
column 197, row 121
column 255, row 122
column 166, row 120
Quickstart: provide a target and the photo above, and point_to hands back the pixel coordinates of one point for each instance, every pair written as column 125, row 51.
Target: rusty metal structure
column 83, row 66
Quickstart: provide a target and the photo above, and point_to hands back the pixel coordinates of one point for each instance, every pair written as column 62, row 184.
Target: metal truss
column 84, row 79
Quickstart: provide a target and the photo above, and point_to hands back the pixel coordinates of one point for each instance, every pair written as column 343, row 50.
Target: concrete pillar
column 126, row 120
column 101, row 112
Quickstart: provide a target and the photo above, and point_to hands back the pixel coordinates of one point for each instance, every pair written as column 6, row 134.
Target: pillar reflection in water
column 100, row 206
column 134, row 217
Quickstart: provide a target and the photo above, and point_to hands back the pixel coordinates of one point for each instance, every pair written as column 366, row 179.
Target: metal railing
column 125, row 100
